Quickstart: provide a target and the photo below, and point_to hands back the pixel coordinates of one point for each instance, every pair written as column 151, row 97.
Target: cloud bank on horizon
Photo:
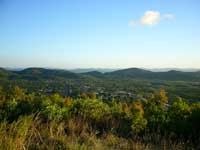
column 150, row 18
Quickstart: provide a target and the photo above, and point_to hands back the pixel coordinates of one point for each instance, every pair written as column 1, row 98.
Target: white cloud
column 150, row 18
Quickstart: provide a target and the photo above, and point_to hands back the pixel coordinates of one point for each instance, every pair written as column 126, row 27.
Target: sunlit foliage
column 31, row 121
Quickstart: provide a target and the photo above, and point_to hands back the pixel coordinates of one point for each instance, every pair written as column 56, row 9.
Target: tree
column 2, row 98
column 138, row 122
column 194, row 120
column 68, row 101
column 179, row 112
column 57, row 99
column 18, row 93
column 155, row 108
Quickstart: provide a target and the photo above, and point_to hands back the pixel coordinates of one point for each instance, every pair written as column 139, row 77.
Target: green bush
column 179, row 113
column 90, row 109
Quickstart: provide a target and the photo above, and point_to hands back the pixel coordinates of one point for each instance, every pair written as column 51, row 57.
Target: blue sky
column 100, row 33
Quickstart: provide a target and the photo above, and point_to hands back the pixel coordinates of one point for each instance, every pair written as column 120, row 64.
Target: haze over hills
column 133, row 73
column 104, row 70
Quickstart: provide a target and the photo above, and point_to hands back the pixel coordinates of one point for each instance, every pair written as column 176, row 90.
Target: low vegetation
column 35, row 121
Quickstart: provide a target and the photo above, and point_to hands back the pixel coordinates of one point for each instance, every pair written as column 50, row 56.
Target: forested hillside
column 133, row 73
column 126, row 85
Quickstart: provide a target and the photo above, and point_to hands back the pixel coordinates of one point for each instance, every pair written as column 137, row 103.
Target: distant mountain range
column 176, row 69
column 136, row 73
column 38, row 74
column 84, row 70
column 104, row 70
column 130, row 73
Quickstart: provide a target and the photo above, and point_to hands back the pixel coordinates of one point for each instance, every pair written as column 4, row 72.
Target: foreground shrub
column 90, row 109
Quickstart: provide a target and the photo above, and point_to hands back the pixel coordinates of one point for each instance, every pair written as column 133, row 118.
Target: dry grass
column 33, row 134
